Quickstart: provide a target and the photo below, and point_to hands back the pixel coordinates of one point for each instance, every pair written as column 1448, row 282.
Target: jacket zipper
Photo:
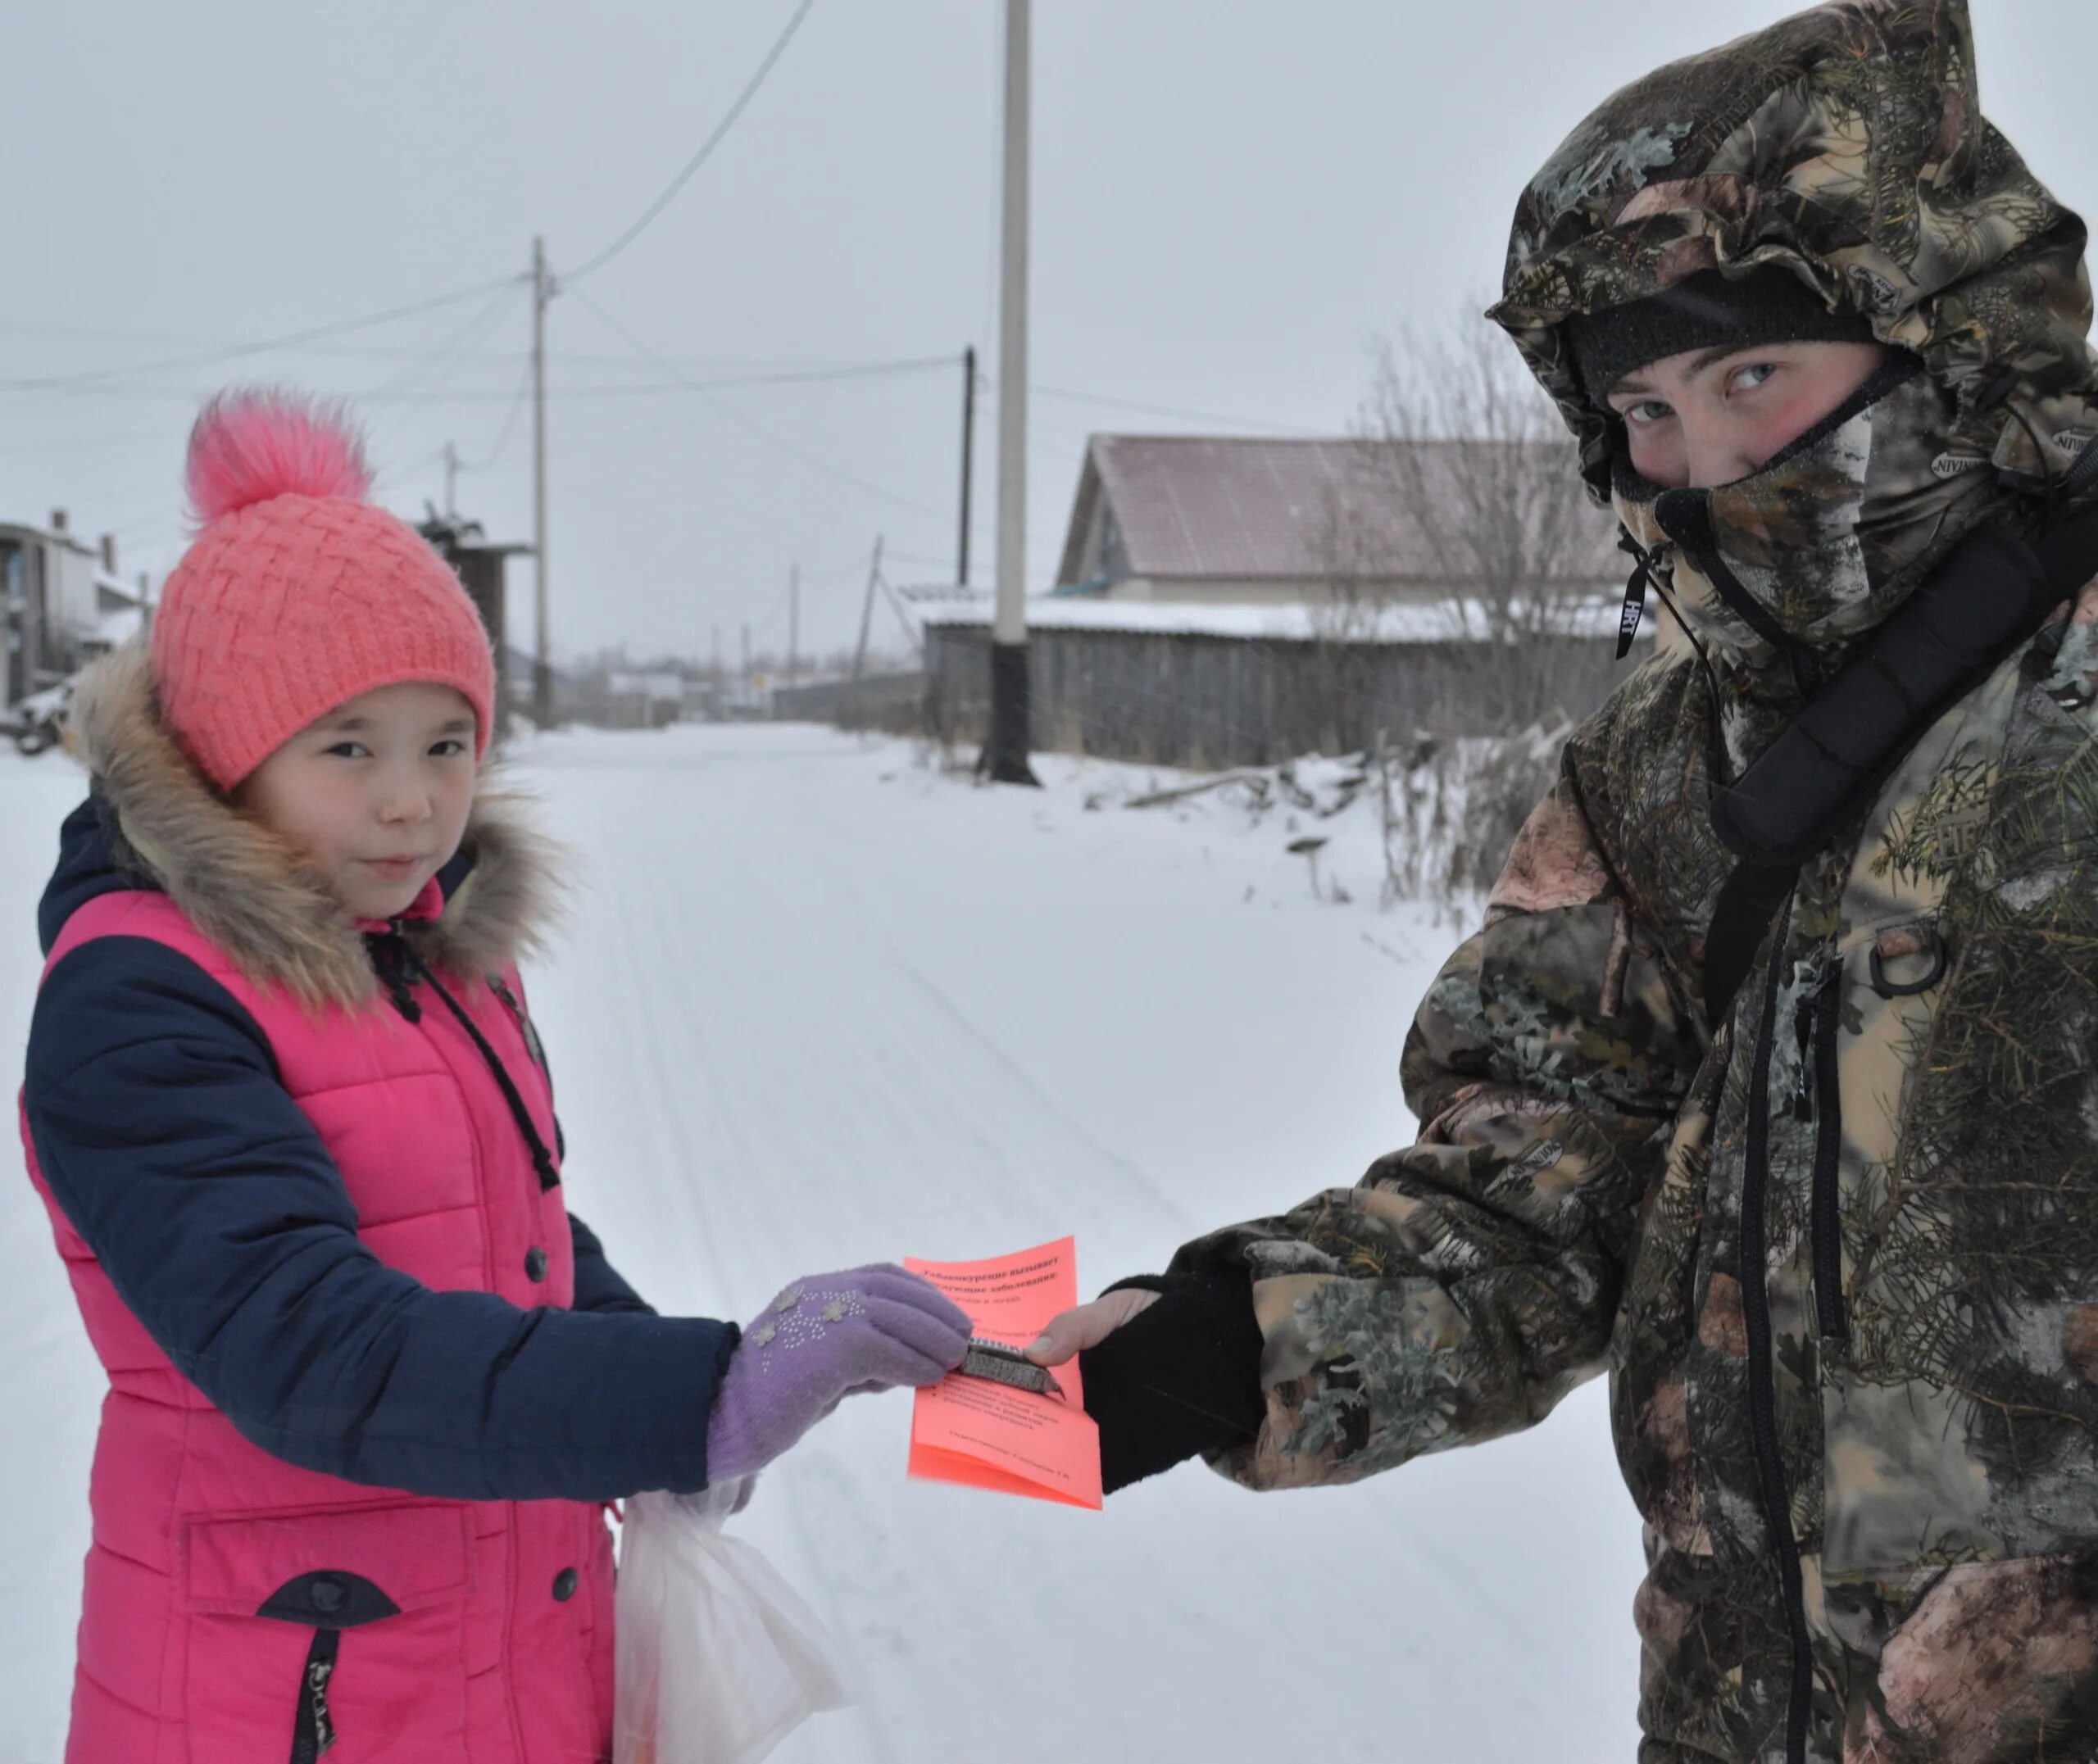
column 313, row 1729
column 1762, row 1394
column 1822, row 1011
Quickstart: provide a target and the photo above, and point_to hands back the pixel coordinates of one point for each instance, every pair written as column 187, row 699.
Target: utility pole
column 867, row 610
column 968, row 456
column 719, row 679
column 1004, row 759
column 451, row 482
column 793, row 622
column 747, row 665
column 543, row 676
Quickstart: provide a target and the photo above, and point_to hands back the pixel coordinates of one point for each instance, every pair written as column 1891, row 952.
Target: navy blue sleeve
column 168, row 1140
column 598, row 1286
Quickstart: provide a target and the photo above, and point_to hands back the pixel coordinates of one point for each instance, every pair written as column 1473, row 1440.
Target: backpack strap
column 1973, row 612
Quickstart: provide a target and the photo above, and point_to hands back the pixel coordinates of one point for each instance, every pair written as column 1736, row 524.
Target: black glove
column 1181, row 1377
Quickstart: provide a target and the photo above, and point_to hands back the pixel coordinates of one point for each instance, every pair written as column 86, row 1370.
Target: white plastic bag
column 718, row 1659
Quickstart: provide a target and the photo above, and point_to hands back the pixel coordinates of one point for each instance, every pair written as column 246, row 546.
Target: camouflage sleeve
column 1464, row 1285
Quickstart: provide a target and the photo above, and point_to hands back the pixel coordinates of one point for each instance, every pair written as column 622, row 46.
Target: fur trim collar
column 244, row 887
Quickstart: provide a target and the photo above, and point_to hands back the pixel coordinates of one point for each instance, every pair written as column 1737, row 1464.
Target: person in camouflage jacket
column 1836, row 1244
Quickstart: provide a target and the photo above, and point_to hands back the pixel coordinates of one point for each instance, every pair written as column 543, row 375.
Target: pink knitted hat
column 297, row 593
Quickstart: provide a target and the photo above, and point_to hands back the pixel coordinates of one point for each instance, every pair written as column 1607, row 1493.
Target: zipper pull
column 1644, row 566
column 1802, row 1076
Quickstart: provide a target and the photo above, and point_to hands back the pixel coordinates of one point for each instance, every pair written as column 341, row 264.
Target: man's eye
column 1645, row 411
column 449, row 748
column 347, row 750
column 1746, row 379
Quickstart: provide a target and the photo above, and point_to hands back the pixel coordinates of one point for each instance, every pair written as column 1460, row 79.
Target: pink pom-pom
column 254, row 443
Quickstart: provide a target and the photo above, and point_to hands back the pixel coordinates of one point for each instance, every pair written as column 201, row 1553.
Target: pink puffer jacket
column 238, row 1608
column 196, row 1530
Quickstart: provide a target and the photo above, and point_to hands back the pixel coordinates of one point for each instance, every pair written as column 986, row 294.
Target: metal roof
column 1244, row 507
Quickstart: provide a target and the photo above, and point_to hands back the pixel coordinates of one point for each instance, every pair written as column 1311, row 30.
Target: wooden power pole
column 968, row 457
column 867, row 610
column 1005, row 758
column 542, row 672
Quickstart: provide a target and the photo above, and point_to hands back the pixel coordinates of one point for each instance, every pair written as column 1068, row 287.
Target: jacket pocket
column 309, row 1628
column 1988, row 1663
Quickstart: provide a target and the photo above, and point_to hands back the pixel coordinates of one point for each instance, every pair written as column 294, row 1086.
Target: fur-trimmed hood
column 156, row 822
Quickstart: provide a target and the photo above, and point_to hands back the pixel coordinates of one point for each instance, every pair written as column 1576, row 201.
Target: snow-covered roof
column 666, row 687
column 115, row 629
column 1401, row 622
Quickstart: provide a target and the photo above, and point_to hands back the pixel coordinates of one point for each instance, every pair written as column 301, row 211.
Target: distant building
column 61, row 604
column 1234, row 520
column 643, row 701
column 481, row 567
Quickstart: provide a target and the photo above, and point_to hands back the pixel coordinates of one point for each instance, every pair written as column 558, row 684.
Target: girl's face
column 375, row 794
column 1707, row 417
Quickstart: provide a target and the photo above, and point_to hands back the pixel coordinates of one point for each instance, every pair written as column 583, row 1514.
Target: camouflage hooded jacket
column 1838, row 1251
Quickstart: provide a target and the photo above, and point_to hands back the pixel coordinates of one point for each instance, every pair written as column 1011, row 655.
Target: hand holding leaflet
column 989, row 1431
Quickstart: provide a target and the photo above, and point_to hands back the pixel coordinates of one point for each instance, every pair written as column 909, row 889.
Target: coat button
column 535, row 1262
column 327, row 1596
column 564, row 1583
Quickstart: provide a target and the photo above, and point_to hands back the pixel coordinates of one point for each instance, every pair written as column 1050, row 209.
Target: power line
column 428, row 359
column 509, row 423
column 381, row 393
column 1036, row 389
column 1038, row 550
column 763, row 433
column 392, row 474
column 694, row 364
column 680, row 381
column 788, row 377
column 291, row 339
column 699, row 158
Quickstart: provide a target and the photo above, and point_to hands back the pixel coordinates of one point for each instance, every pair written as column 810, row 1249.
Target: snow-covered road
column 820, row 1005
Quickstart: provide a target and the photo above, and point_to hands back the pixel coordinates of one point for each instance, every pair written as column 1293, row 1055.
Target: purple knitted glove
column 821, row 1340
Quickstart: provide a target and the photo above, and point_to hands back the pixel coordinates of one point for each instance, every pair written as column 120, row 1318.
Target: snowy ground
column 821, row 1005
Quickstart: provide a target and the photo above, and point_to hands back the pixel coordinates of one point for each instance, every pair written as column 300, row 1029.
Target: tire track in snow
column 939, row 1105
column 782, row 1492
column 815, row 1065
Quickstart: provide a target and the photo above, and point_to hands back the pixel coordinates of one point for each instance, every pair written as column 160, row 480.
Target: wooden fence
column 892, row 703
column 1203, row 700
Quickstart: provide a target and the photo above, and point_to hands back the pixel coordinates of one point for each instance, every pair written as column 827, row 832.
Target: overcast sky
column 1233, row 201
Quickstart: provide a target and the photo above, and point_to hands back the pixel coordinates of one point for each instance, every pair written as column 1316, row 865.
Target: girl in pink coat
column 371, row 1385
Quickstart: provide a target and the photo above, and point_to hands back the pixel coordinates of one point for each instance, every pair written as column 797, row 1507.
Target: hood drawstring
column 398, row 963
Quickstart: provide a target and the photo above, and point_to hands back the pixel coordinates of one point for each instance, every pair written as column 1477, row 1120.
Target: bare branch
column 1464, row 495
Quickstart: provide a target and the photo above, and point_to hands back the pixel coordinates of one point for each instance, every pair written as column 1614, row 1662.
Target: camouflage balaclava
column 1845, row 146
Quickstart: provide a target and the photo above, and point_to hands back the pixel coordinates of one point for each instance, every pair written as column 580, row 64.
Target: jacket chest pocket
column 1960, row 1421
column 339, row 1634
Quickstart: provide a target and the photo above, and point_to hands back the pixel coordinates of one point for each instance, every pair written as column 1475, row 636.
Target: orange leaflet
column 988, row 1436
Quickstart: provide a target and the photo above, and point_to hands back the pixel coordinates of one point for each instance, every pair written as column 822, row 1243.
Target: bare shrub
column 1463, row 505
column 1449, row 810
